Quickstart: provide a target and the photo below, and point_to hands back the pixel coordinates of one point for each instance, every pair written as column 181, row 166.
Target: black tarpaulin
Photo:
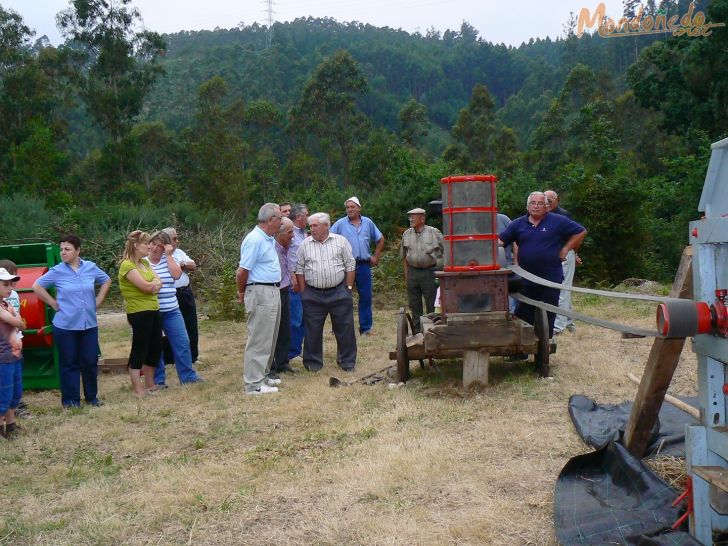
column 598, row 424
column 610, row 497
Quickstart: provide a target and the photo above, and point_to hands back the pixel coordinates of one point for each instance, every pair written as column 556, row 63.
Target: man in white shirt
column 185, row 297
column 325, row 272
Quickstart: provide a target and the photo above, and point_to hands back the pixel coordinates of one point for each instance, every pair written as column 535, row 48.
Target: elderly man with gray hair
column 288, row 282
column 542, row 241
column 299, row 217
column 185, row 296
column 258, row 278
column 325, row 271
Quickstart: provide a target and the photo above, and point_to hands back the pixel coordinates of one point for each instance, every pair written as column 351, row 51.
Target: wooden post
column 659, row 370
column 475, row 367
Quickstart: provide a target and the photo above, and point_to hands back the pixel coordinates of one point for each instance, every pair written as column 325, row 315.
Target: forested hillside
column 117, row 128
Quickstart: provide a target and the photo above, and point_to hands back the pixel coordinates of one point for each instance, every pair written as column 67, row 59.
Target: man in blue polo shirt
column 361, row 233
column 258, row 278
column 542, row 241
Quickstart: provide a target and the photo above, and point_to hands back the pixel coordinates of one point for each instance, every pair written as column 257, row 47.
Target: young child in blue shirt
column 11, row 371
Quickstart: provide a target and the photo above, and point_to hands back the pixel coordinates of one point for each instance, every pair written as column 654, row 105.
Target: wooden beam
column 507, row 333
column 661, row 364
column 475, row 368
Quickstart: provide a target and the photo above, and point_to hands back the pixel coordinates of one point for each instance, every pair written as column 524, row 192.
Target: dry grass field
column 205, row 464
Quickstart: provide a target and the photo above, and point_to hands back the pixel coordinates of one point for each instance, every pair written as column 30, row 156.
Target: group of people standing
column 147, row 276
column 158, row 300
column 543, row 242
column 290, row 282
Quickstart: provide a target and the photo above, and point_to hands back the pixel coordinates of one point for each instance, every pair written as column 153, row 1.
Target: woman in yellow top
column 139, row 286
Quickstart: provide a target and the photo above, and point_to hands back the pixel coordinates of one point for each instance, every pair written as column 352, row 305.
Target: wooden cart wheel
column 541, row 327
column 402, row 356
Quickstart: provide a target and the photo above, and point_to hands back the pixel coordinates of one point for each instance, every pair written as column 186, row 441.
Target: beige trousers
column 263, row 306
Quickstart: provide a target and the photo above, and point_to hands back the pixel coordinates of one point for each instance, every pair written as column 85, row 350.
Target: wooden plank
column 484, row 319
column 714, row 475
column 475, row 368
column 660, row 368
column 474, row 336
column 113, row 365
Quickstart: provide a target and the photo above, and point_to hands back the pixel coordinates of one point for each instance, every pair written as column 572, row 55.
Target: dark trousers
column 146, row 339
column 420, row 284
column 283, row 342
column 78, row 355
column 317, row 304
column 188, row 308
column 540, row 293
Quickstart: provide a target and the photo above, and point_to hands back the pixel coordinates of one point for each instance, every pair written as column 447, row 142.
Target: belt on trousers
column 263, row 284
column 186, row 287
column 424, row 268
column 367, row 261
column 326, row 289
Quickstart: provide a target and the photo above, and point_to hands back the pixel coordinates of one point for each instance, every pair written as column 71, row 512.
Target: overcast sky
column 499, row 22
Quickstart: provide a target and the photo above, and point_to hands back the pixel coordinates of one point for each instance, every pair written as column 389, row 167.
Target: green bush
column 24, row 218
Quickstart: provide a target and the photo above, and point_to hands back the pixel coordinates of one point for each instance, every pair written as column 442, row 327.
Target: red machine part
column 32, row 308
column 686, row 318
column 719, row 312
column 687, row 496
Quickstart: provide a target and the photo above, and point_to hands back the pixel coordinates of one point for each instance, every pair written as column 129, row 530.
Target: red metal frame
column 451, row 211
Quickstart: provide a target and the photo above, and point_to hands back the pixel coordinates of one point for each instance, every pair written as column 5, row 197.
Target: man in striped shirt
column 325, row 271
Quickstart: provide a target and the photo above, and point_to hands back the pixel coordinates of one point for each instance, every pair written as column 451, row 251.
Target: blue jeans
column 173, row 325
column 78, row 355
column 11, row 385
column 297, row 330
column 364, row 287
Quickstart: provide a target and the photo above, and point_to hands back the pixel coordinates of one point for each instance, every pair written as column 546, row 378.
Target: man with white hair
column 542, row 241
column 568, row 265
column 284, row 237
column 299, row 217
column 361, row 233
column 258, row 278
column 325, row 271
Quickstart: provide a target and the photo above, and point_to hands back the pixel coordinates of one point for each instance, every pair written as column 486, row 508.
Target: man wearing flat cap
column 361, row 233
column 422, row 252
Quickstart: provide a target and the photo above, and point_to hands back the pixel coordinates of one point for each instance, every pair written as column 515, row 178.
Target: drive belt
column 634, row 331
column 606, row 293
column 683, row 312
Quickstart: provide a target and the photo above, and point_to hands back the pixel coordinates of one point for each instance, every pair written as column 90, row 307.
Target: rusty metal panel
column 473, row 292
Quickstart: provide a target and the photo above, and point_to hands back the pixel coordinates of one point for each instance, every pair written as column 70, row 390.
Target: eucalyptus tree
column 328, row 111
column 115, row 64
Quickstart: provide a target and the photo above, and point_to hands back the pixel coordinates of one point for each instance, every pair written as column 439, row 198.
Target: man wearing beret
column 422, row 251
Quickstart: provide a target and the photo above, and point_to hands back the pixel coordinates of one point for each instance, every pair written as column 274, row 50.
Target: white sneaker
column 263, row 389
column 273, row 382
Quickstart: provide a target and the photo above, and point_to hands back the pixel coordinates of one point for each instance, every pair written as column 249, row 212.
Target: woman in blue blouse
column 75, row 330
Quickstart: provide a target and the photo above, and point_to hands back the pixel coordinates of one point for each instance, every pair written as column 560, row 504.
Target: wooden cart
column 474, row 325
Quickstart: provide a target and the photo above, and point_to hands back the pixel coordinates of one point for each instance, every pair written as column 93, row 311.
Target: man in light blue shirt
column 258, row 278
column 361, row 233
